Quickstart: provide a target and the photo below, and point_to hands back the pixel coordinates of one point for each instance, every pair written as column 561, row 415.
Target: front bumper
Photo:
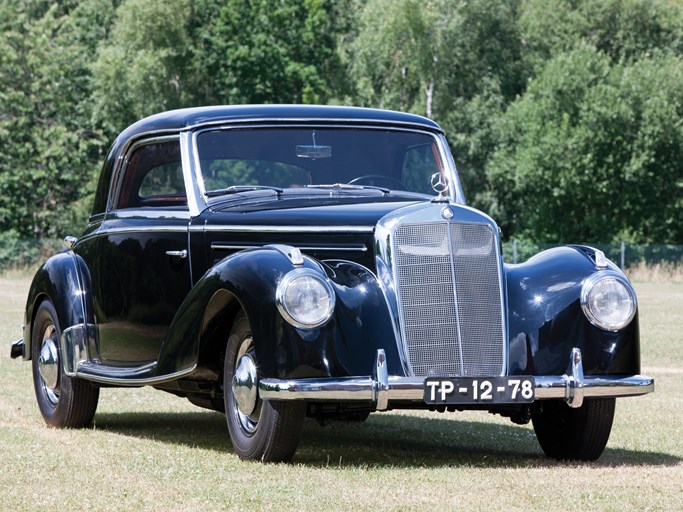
column 382, row 389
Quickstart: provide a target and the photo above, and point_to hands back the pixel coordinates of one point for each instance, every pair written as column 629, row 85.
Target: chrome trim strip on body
column 149, row 213
column 98, row 373
column 138, row 229
column 303, row 247
column 135, row 229
column 212, row 228
column 455, row 294
column 79, row 346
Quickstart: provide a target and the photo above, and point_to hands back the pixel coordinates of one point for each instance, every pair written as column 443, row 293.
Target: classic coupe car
column 278, row 262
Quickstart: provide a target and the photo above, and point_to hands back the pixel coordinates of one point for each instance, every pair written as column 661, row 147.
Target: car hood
column 333, row 212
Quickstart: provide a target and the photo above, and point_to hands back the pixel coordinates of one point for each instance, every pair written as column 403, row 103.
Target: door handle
column 178, row 254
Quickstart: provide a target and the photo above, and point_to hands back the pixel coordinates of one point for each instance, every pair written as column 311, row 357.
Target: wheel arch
column 219, row 316
column 64, row 280
column 246, row 280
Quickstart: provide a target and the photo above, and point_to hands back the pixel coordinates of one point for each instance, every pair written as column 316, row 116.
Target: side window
column 153, row 177
column 419, row 164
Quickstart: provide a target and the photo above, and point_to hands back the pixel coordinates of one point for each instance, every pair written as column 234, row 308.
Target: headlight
column 305, row 299
column 608, row 301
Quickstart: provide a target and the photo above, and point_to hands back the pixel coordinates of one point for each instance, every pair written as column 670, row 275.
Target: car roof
column 175, row 121
column 188, row 118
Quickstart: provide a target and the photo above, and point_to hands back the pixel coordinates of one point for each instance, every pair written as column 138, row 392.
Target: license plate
column 475, row 390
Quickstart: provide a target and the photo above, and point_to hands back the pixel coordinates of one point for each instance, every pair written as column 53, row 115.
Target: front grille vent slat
column 449, row 293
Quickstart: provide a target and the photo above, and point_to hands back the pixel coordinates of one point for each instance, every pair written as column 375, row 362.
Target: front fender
column 360, row 325
column 546, row 320
column 249, row 278
column 64, row 279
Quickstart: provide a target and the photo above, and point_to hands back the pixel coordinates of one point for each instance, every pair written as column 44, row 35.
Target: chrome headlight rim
column 588, row 286
column 280, row 298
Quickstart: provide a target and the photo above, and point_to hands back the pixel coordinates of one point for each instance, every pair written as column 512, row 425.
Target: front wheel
column 259, row 430
column 63, row 401
column 575, row 434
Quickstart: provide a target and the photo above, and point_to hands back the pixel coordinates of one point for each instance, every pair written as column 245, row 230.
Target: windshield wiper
column 349, row 186
column 235, row 189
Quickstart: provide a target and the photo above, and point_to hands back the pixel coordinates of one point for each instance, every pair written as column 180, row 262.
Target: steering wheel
column 373, row 179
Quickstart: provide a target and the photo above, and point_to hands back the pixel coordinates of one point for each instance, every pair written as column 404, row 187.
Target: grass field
column 152, row 451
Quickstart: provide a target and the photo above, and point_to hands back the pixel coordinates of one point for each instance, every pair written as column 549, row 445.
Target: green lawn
column 152, row 451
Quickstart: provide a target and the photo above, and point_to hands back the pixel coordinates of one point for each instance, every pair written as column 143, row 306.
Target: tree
column 257, row 51
column 457, row 62
column 141, row 68
column 397, row 56
column 624, row 30
column 50, row 147
column 592, row 152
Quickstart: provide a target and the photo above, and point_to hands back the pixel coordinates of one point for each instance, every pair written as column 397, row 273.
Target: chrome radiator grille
column 449, row 294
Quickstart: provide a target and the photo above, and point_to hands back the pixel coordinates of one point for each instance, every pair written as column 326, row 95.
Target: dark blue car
column 278, row 262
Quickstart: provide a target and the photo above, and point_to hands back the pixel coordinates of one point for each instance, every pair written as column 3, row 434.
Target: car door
column 141, row 273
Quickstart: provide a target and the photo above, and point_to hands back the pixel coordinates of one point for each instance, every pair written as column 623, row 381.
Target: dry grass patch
column 665, row 273
column 152, row 451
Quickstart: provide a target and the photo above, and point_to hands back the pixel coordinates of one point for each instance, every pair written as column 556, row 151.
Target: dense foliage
column 566, row 117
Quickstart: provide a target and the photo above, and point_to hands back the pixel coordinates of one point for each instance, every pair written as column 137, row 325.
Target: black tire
column 271, row 432
column 575, row 434
column 64, row 402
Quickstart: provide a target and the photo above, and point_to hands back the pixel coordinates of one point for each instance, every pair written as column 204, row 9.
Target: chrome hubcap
column 244, row 387
column 48, row 365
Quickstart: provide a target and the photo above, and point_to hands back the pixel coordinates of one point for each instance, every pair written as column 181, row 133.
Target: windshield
column 318, row 157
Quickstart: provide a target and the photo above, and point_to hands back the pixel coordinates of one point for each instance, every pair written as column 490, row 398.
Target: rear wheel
column 259, row 430
column 575, row 434
column 63, row 401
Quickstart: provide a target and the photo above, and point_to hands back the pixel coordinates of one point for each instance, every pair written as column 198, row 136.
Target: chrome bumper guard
column 382, row 388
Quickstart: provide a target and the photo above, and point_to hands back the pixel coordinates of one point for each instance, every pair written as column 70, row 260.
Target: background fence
column 23, row 253
column 625, row 255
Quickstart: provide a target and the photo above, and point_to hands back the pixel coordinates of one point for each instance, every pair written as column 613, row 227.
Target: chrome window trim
column 320, row 121
column 441, row 143
column 447, row 157
column 152, row 213
column 196, row 200
column 124, row 159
